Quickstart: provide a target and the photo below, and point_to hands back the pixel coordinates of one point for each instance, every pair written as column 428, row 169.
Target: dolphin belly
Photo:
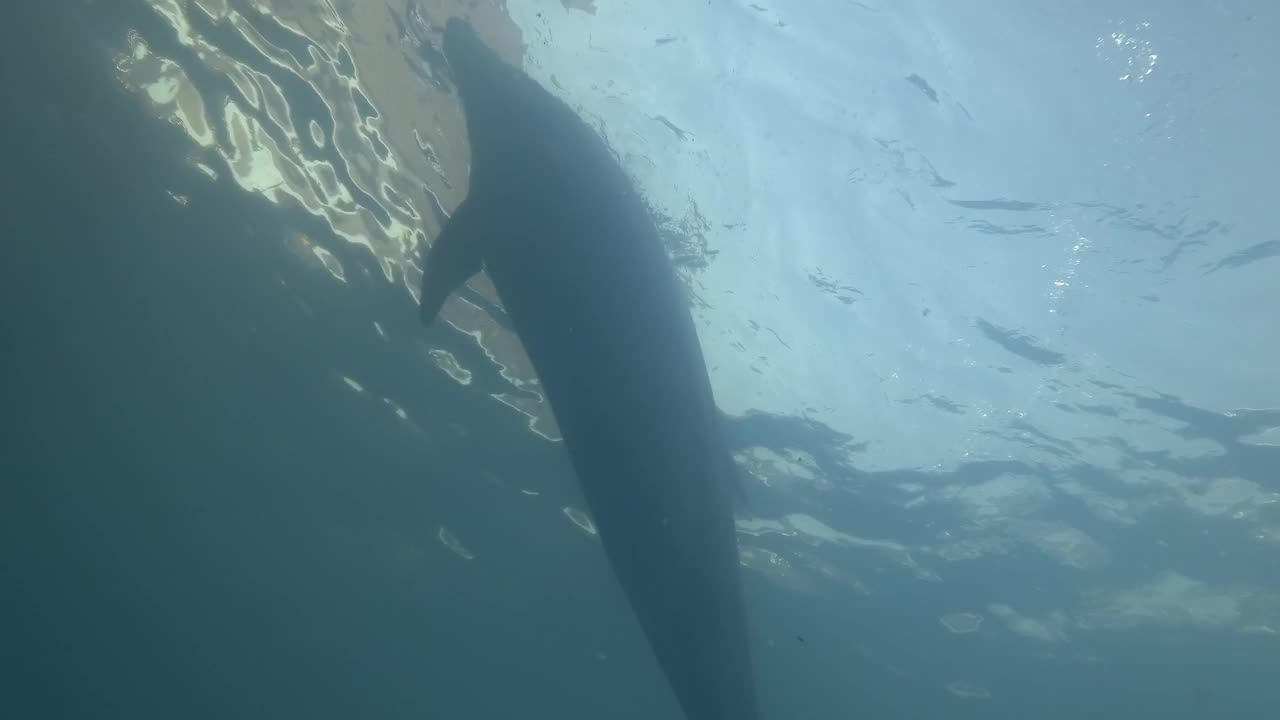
column 576, row 258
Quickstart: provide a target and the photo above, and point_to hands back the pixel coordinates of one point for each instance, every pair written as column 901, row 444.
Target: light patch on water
column 1170, row 600
column 911, row 488
column 782, row 469
column 1196, row 448
column 758, row 526
column 312, row 253
column 317, row 133
column 280, row 171
column 277, row 55
column 362, row 176
column 163, row 91
column 168, row 91
column 927, row 575
column 581, row 519
column 277, row 107
column 449, row 364
column 775, row 568
column 966, row 689
column 1069, row 546
column 332, row 19
column 1267, row 534
column 1000, row 497
column 251, row 157
column 1269, row 437
column 173, row 12
column 1051, row 629
column 971, row 549
column 959, row 551
column 1108, row 508
column 333, row 193
column 961, row 623
column 330, row 263
column 451, row 541
column 763, row 560
column 830, row 571
column 429, row 151
column 1228, row 496
column 535, row 410
column 398, row 410
column 239, row 74
column 499, row 346
column 189, row 112
column 814, row 529
column 1127, row 47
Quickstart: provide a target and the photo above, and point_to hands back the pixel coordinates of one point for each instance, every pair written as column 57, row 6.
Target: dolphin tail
column 453, row 257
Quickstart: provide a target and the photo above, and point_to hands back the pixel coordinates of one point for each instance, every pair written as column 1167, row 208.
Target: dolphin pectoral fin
column 454, row 256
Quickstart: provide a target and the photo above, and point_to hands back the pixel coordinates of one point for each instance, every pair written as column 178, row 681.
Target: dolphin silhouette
column 583, row 276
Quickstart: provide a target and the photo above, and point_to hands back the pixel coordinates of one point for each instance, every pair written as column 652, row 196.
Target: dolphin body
column 576, row 258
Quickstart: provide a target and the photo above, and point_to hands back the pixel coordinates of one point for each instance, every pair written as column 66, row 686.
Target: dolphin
column 577, row 261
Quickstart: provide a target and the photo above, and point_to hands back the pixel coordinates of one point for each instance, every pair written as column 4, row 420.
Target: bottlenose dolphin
column 578, row 264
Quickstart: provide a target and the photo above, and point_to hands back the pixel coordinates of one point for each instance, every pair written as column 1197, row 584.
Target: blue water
column 1007, row 427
